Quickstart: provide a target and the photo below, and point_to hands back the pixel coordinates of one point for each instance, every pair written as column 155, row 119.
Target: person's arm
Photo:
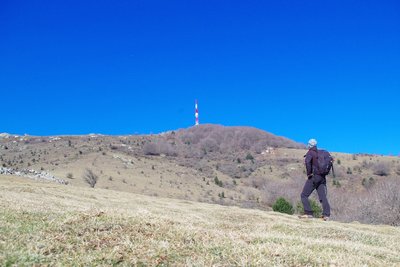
column 308, row 162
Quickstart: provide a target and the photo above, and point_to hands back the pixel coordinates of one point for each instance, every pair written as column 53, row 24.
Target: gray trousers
column 319, row 183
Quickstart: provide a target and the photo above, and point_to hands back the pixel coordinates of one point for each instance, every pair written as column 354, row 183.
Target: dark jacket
column 311, row 161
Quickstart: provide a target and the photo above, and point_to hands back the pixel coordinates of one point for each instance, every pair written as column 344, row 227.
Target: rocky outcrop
column 32, row 174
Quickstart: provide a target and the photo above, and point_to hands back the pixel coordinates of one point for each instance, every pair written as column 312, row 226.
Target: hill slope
column 46, row 223
column 239, row 166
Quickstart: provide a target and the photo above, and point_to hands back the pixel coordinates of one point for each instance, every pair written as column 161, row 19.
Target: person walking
column 315, row 181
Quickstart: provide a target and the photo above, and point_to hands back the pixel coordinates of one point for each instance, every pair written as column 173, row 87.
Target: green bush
column 283, row 206
column 315, row 207
column 249, row 157
column 218, row 182
column 336, row 183
column 368, row 183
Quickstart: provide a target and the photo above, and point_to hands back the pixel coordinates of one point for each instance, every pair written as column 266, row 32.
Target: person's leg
column 307, row 190
column 322, row 194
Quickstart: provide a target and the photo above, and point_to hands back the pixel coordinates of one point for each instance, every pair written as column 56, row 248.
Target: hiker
column 315, row 180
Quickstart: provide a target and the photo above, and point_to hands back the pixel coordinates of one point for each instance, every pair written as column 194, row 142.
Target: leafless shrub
column 271, row 190
column 193, row 155
column 230, row 169
column 339, row 200
column 249, row 204
column 365, row 164
column 250, row 193
column 158, row 147
column 397, row 170
column 289, row 189
column 151, row 149
column 200, row 132
column 217, row 136
column 90, row 178
column 187, row 138
column 203, row 167
column 259, row 147
column 244, row 142
column 357, row 169
column 235, row 138
column 166, row 148
column 377, row 205
column 340, row 171
column 257, row 182
column 381, row 169
column 381, row 205
column 209, row 145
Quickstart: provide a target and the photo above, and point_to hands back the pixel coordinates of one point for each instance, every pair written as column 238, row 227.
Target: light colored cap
column 311, row 143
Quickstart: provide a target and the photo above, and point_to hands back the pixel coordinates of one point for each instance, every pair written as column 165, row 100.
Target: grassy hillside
column 234, row 166
column 49, row 224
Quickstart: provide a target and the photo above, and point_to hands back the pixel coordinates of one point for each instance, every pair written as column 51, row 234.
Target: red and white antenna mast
column 196, row 112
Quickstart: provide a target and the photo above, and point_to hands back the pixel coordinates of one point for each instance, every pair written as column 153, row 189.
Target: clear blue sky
column 300, row 69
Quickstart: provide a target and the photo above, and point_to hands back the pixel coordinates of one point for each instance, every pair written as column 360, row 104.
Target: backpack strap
column 315, row 162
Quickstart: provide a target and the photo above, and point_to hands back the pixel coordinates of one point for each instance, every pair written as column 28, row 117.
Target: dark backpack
column 325, row 162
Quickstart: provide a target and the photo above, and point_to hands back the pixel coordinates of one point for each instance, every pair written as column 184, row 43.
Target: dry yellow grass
column 50, row 224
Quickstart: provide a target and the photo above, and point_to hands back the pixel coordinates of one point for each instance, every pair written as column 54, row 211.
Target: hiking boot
column 306, row 216
column 325, row 218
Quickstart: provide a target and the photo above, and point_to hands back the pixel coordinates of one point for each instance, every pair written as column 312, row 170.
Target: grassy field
column 48, row 224
column 203, row 163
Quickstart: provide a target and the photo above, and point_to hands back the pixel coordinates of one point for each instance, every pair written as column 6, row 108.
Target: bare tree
column 90, row 178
